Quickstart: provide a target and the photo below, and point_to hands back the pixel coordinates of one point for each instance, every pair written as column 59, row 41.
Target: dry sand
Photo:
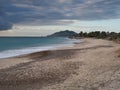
column 92, row 65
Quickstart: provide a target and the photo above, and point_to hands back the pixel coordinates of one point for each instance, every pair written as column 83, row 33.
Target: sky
column 44, row 17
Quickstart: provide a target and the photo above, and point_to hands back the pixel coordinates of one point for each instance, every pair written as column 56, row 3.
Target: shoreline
column 66, row 68
column 28, row 50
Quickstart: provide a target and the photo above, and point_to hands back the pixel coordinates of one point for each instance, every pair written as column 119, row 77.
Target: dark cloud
column 46, row 22
column 47, row 12
column 5, row 24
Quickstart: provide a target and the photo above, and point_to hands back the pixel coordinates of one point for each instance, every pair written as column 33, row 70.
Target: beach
column 91, row 65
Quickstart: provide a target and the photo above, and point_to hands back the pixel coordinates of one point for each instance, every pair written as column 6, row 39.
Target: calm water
column 14, row 46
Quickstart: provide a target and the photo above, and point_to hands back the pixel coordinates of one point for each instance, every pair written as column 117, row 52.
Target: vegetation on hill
column 65, row 33
column 100, row 35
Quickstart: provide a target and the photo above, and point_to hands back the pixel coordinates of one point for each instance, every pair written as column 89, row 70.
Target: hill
column 65, row 33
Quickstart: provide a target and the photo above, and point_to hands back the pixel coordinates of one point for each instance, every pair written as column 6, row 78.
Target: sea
column 15, row 46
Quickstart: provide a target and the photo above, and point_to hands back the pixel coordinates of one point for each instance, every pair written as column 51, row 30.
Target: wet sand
column 91, row 65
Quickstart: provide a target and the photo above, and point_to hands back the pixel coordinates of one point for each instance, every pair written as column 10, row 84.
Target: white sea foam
column 22, row 51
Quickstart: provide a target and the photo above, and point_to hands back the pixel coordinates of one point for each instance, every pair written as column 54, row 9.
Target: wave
column 23, row 51
column 18, row 52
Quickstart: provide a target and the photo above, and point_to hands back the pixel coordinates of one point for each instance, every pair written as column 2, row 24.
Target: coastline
column 16, row 51
column 92, row 64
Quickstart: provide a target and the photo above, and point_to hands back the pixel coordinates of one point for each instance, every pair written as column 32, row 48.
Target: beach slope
column 91, row 65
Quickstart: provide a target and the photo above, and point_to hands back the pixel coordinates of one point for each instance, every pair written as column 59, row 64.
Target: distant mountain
column 66, row 33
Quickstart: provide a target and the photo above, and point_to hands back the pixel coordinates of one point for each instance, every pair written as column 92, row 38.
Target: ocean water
column 15, row 46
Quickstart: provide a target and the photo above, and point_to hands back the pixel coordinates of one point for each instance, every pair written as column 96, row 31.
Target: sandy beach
column 91, row 65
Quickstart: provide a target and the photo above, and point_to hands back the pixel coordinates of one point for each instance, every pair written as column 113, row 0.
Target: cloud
column 4, row 24
column 47, row 12
column 46, row 22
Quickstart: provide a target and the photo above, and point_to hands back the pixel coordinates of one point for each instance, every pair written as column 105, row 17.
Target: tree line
column 99, row 35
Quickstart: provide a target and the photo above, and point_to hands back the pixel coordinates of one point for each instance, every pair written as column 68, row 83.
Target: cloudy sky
column 43, row 17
